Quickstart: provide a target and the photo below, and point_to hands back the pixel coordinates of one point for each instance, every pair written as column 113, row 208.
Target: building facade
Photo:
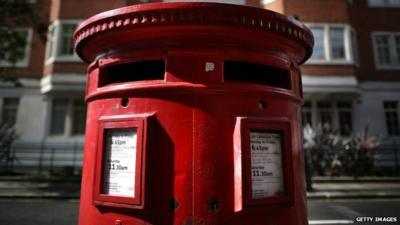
column 352, row 80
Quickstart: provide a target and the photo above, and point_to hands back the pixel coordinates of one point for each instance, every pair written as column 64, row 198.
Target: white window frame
column 354, row 44
column 68, row 122
column 392, row 48
column 23, row 63
column 334, row 110
column 349, row 47
column 383, row 4
column 55, row 40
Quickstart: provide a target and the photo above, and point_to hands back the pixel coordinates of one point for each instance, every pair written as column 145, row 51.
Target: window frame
column 334, row 111
column 392, row 50
column 342, row 110
column 23, row 63
column 397, row 112
column 329, row 110
column 69, row 119
column 349, row 47
column 3, row 108
column 52, row 109
column 54, row 43
column 307, row 109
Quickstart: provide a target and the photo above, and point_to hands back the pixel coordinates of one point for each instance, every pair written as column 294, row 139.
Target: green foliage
column 15, row 14
column 331, row 154
column 12, row 45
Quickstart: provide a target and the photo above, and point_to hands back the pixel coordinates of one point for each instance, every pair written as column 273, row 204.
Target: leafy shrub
column 331, row 154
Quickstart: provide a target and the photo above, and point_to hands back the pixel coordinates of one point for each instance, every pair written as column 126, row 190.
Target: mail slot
column 193, row 116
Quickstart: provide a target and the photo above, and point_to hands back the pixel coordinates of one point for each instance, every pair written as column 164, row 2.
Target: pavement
column 323, row 189
column 53, row 189
column 343, row 190
column 320, row 212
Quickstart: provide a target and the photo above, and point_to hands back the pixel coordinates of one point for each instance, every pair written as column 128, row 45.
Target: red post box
column 193, row 116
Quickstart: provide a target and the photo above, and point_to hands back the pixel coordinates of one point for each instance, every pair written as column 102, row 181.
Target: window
column 345, row 115
column 9, row 111
column 384, row 3
column 59, row 41
column 337, row 43
column 319, row 47
column 58, row 116
column 333, row 44
column 79, row 117
column 338, row 114
column 386, row 50
column 307, row 114
column 392, row 117
column 66, row 47
column 20, row 58
column 68, row 117
column 325, row 112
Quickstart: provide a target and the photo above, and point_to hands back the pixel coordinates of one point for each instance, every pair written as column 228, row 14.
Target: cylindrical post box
column 193, row 116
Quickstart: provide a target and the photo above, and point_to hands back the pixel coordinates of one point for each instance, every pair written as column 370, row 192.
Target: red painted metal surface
column 210, row 73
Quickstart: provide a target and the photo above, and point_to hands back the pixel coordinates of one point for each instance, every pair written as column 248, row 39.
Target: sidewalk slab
column 40, row 189
column 353, row 189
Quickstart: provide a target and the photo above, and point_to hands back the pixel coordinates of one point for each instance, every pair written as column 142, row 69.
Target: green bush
column 331, row 154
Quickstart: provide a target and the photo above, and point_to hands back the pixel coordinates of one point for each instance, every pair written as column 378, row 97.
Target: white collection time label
column 119, row 169
column 266, row 164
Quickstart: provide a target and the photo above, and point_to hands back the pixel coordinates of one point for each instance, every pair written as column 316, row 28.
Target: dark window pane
column 79, row 117
column 324, row 104
column 58, row 116
column 345, row 123
column 306, row 118
column 9, row 111
column 326, row 117
column 319, row 46
column 391, row 117
column 337, row 43
column 66, row 47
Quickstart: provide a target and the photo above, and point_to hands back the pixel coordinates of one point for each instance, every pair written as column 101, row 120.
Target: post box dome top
column 130, row 23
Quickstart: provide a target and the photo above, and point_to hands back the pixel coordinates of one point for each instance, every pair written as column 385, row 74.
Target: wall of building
column 367, row 20
column 332, row 11
column 369, row 109
column 31, row 109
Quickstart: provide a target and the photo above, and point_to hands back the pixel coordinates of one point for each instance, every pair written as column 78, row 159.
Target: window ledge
column 16, row 65
column 387, row 67
column 64, row 136
column 324, row 62
column 63, row 59
column 383, row 6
